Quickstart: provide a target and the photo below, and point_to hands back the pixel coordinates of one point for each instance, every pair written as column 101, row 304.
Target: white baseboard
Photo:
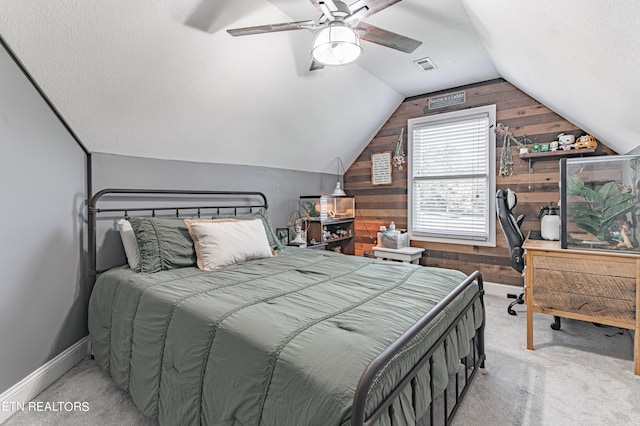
column 496, row 289
column 26, row 389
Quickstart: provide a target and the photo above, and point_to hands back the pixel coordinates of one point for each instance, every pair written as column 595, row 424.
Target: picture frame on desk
column 283, row 235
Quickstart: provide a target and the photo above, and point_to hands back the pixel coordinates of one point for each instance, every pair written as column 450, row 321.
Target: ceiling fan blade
column 327, row 3
column 377, row 35
column 315, row 66
column 326, row 11
column 316, row 4
column 332, row 9
column 330, row 4
column 271, row 28
column 363, row 8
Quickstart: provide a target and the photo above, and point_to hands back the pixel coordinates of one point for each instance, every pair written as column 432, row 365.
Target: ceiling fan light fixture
column 336, row 44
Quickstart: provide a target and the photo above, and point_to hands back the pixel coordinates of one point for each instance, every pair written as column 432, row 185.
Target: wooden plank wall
column 379, row 205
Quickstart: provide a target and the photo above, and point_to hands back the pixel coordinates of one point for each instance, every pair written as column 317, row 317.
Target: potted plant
column 601, row 209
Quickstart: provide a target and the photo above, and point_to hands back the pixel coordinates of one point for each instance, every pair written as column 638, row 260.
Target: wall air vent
column 425, row 64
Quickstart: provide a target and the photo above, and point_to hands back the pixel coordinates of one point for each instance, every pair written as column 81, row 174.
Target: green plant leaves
column 607, row 190
column 577, row 187
column 602, row 209
column 612, row 213
column 580, row 212
column 588, row 225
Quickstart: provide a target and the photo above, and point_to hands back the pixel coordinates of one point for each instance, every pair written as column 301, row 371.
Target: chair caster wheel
column 519, row 301
column 556, row 323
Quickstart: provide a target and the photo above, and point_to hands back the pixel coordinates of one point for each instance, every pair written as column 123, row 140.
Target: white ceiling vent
column 425, row 64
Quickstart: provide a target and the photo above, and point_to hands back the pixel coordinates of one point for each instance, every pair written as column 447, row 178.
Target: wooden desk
column 595, row 286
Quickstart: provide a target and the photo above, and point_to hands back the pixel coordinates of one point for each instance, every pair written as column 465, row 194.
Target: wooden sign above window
column 447, row 100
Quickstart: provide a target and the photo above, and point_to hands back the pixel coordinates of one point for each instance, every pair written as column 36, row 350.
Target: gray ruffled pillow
column 164, row 243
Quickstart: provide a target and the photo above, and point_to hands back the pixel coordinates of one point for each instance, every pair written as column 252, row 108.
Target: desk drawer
column 598, row 289
column 587, row 265
column 588, row 284
column 591, row 306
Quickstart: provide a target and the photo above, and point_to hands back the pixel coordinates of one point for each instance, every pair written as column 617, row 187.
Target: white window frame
column 417, row 123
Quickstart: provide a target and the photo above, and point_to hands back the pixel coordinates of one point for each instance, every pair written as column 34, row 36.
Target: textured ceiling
column 579, row 57
column 448, row 38
column 163, row 79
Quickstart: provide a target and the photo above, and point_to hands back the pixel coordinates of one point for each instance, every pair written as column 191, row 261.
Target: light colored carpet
column 579, row 375
column 107, row 403
column 576, row 376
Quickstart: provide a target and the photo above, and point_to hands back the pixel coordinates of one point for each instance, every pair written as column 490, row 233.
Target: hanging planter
column 399, row 157
column 506, row 159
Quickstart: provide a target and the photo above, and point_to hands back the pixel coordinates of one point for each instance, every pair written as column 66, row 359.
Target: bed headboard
column 122, row 202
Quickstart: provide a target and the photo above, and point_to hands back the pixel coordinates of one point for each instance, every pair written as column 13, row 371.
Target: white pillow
column 228, row 242
column 129, row 243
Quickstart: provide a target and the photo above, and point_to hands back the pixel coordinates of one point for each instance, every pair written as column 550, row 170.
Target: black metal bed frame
column 94, row 210
column 373, row 369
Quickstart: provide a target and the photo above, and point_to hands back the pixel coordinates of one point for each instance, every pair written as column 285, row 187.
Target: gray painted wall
column 43, row 296
column 281, row 187
column 44, row 293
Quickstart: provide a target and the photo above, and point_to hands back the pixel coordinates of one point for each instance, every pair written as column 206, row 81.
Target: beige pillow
column 194, row 237
column 223, row 242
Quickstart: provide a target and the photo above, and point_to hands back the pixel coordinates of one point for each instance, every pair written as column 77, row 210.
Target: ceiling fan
column 338, row 42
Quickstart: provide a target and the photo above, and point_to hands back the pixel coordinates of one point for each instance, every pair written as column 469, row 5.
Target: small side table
column 405, row 254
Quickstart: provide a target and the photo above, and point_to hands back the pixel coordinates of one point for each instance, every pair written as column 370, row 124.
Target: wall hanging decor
column 399, row 157
column 381, row 168
column 506, row 159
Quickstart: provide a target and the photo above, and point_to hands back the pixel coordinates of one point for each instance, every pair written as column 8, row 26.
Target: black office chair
column 506, row 200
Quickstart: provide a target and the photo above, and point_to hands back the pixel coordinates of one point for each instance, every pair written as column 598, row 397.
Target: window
column 451, row 180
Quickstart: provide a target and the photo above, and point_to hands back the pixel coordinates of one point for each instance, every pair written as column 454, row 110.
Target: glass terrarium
column 327, row 207
column 599, row 203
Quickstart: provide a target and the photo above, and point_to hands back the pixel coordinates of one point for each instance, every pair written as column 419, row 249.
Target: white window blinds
column 451, row 180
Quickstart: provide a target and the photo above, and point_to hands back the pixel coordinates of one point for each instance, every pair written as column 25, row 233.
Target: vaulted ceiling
column 163, row 79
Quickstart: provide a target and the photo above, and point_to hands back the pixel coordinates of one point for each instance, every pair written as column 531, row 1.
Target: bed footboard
column 477, row 358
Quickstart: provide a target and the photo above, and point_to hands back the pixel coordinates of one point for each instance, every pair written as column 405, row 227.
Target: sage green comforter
column 278, row 341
